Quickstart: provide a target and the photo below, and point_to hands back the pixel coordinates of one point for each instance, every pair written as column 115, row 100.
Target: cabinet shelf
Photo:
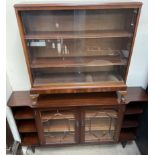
column 98, row 114
column 99, row 125
column 78, row 34
column 47, row 116
column 59, row 127
column 89, row 137
column 60, row 138
column 127, row 135
column 82, row 79
column 27, row 126
column 77, row 62
column 24, row 114
column 130, row 124
column 96, row 50
column 30, row 139
column 131, row 111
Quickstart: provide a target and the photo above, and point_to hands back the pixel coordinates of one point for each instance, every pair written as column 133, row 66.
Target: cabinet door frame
column 40, row 126
column 120, row 112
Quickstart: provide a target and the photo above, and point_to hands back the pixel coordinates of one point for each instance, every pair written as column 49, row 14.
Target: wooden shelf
column 48, row 115
column 136, row 95
column 30, row 140
column 91, row 138
column 130, row 124
column 78, row 34
column 59, row 126
column 59, row 79
column 127, row 135
column 77, row 62
column 131, row 111
column 24, row 114
column 99, row 125
column 27, row 126
column 89, row 50
column 60, row 138
column 101, row 114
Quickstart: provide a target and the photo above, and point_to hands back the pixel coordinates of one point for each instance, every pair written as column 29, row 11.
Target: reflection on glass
column 78, row 46
column 58, row 127
column 100, row 125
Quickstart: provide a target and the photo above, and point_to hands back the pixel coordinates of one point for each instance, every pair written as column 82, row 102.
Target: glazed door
column 99, row 125
column 78, row 46
column 59, row 126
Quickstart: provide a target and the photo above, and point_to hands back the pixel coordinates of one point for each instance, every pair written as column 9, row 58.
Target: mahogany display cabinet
column 77, row 48
column 81, row 118
column 78, row 58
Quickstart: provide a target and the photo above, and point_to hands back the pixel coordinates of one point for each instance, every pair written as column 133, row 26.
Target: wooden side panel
column 22, row 35
column 133, row 41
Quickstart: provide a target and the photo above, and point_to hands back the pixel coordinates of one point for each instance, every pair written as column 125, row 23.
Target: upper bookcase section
column 78, row 48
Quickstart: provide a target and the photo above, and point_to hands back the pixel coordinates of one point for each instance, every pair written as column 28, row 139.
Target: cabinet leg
column 124, row 144
column 33, row 149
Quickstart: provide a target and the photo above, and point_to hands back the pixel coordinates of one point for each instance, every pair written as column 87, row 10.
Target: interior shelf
column 127, row 135
column 100, row 114
column 56, row 126
column 78, row 34
column 27, row 126
column 89, row 137
column 31, row 139
column 130, row 124
column 99, row 125
column 77, row 62
column 47, row 116
column 80, row 78
column 95, row 50
column 24, row 114
column 131, row 111
column 60, row 138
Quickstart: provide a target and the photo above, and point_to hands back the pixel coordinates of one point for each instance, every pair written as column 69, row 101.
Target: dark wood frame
column 74, row 88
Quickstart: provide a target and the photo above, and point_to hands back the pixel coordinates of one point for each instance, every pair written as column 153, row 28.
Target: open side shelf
column 130, row 124
column 132, row 111
column 128, row 135
column 30, row 139
column 24, row 114
column 132, row 114
column 27, row 126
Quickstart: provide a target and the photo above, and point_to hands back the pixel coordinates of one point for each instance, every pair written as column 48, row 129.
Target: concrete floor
column 113, row 149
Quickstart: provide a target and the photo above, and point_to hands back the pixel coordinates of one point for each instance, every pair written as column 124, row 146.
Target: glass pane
column 78, row 46
column 100, row 125
column 58, row 127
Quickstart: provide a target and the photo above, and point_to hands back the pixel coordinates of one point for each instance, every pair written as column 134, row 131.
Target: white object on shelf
column 40, row 43
column 53, row 45
column 57, row 25
column 65, row 49
column 59, row 47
